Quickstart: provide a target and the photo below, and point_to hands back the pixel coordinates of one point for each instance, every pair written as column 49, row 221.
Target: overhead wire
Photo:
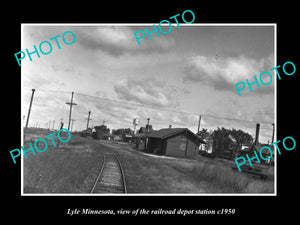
column 156, row 108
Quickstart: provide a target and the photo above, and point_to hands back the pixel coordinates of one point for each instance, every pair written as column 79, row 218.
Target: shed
column 177, row 142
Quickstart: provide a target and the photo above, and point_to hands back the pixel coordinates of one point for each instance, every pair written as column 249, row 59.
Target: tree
column 225, row 139
column 240, row 138
column 203, row 134
column 122, row 131
column 221, row 141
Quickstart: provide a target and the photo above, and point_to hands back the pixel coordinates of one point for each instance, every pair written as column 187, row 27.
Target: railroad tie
column 111, row 177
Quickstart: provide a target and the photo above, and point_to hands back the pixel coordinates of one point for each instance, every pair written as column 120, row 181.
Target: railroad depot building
column 175, row 142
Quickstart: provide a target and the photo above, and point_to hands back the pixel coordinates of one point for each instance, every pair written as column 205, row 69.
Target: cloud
column 62, row 68
column 146, row 91
column 116, row 40
column 265, row 114
column 223, row 72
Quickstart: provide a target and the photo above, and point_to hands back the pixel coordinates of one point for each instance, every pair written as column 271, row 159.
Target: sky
column 192, row 69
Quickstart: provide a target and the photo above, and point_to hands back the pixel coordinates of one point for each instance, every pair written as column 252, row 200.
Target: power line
column 134, row 104
column 49, row 90
column 170, row 110
column 158, row 108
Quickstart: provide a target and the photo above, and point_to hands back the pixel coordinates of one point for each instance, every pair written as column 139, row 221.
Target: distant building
column 86, row 133
column 143, row 130
column 140, row 136
column 117, row 138
column 127, row 138
column 264, row 152
column 177, row 142
column 101, row 133
column 256, row 146
column 207, row 146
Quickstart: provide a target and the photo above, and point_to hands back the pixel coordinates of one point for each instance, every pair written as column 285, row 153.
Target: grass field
column 72, row 168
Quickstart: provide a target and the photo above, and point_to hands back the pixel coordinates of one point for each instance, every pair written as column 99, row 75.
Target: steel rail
column 122, row 172
column 99, row 175
column 102, row 169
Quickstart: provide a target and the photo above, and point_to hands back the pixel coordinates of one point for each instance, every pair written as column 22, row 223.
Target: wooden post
column 33, row 90
column 272, row 147
column 197, row 142
column 71, row 104
column 28, row 115
column 87, row 125
column 199, row 124
column 146, row 138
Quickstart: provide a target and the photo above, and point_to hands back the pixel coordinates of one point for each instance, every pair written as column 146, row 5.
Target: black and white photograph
column 148, row 109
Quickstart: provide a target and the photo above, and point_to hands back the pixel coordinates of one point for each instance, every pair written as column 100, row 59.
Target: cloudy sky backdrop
column 192, row 69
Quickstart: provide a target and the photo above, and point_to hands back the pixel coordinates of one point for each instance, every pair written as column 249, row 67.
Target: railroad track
column 111, row 178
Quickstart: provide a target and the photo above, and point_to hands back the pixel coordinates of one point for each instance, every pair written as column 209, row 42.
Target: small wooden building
column 176, row 142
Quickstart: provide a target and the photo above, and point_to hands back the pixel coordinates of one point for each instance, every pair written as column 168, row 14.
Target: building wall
column 180, row 146
column 155, row 146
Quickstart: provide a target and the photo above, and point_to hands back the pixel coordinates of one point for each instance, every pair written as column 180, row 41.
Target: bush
column 221, row 179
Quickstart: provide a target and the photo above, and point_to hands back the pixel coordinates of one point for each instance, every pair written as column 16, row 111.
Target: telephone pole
column 61, row 124
column 198, row 129
column 71, row 104
column 33, row 90
column 72, row 124
column 146, row 138
column 199, row 124
column 88, row 120
column 273, row 135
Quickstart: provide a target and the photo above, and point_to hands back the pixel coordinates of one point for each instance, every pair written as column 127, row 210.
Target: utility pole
column 198, row 133
column 273, row 135
column 88, row 120
column 71, row 104
column 61, row 124
column 53, row 124
column 72, row 124
column 33, row 90
column 49, row 124
column 147, row 131
column 199, row 124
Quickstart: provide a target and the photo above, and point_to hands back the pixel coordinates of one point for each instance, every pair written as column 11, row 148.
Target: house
column 101, row 132
column 127, row 138
column 207, row 146
column 177, row 142
column 117, row 138
column 143, row 130
column 139, row 137
column 206, row 149
column 86, row 133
